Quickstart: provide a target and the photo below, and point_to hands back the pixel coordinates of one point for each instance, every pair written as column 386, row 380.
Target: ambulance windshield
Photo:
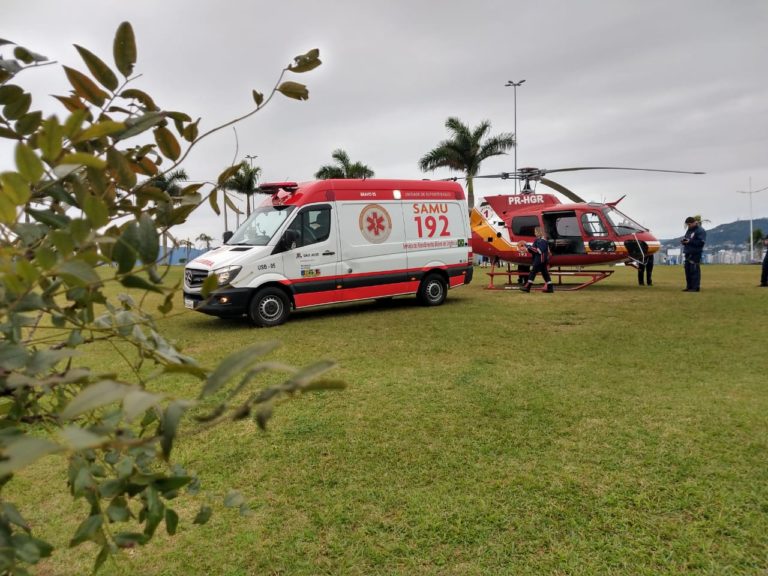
column 261, row 226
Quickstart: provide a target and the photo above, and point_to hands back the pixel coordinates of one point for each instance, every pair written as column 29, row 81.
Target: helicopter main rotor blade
column 618, row 168
column 502, row 176
column 562, row 189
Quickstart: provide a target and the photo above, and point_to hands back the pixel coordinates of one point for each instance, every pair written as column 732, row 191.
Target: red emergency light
column 274, row 187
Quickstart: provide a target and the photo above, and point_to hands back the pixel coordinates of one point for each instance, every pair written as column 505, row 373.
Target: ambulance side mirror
column 227, row 235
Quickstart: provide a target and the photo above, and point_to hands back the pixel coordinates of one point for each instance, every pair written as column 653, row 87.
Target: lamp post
column 751, row 237
column 250, row 158
column 514, row 98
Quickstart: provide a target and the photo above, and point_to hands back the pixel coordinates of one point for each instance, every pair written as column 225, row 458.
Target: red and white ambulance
column 337, row 241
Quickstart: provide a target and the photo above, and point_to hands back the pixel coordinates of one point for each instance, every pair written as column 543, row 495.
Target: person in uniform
column 764, row 275
column 540, row 251
column 645, row 270
column 693, row 246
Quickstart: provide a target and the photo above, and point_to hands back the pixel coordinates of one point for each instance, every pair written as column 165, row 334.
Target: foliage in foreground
column 81, row 210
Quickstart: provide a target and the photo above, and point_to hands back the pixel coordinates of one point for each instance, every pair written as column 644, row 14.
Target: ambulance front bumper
column 226, row 302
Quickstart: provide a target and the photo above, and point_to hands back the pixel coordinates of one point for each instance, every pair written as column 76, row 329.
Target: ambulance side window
column 310, row 226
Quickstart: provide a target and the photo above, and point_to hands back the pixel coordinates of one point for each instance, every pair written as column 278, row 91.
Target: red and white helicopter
column 580, row 234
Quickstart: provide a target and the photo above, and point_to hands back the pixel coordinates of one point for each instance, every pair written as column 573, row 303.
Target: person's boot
column 550, row 288
column 526, row 288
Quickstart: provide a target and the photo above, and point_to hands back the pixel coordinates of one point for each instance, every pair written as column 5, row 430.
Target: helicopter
column 580, row 234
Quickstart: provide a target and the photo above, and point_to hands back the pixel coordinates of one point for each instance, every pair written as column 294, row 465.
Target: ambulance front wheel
column 433, row 290
column 269, row 307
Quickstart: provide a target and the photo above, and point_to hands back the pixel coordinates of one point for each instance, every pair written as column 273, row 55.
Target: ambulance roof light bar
column 274, row 187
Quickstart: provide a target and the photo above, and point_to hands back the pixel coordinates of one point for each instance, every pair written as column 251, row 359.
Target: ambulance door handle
column 328, row 253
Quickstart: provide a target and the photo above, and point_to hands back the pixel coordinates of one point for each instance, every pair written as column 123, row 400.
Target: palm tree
column 245, row 181
column 205, row 239
column 465, row 150
column 169, row 183
column 343, row 168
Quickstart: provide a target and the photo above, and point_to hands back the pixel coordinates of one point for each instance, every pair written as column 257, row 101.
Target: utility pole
column 514, row 98
column 751, row 234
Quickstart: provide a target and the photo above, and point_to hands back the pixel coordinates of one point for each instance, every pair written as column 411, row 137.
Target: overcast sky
column 670, row 84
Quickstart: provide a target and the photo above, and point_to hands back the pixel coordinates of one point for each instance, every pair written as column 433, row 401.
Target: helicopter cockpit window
column 592, row 224
column 524, row 225
column 622, row 223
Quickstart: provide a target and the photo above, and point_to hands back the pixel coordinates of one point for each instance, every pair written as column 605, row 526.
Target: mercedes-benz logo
column 188, row 277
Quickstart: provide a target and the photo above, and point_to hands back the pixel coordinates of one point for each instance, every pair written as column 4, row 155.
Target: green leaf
column 117, row 511
column 87, row 530
column 210, row 284
column 171, row 521
column 98, row 68
column 213, row 201
column 12, row 356
column 138, row 283
column 228, row 173
column 142, row 97
column 294, row 90
column 142, row 123
column 235, row 364
column 124, row 252
column 191, row 131
column 119, row 164
column 24, row 450
column 96, row 131
column 85, row 87
column 124, row 49
column 15, row 188
column 102, row 557
column 306, row 62
column 9, row 93
column 83, row 159
column 28, row 163
column 148, row 240
column 170, row 424
column 172, row 483
column 9, row 134
column 80, row 439
column 136, row 402
column 167, row 143
column 258, row 97
column 203, row 515
column 130, row 539
column 12, row 514
column 49, row 138
column 95, row 396
column 28, row 123
column 18, row 107
column 27, row 56
column 96, row 210
column 73, row 122
column 77, row 273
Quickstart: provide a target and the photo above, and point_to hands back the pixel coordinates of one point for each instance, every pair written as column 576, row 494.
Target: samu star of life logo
column 375, row 223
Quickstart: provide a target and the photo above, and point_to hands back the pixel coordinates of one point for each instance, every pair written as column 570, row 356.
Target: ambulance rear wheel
column 269, row 307
column 433, row 290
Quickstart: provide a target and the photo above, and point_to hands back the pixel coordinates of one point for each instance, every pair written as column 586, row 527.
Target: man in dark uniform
column 693, row 245
column 540, row 251
column 645, row 270
column 764, row 275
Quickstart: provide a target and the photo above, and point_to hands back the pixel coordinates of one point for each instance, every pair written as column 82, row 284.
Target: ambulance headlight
column 226, row 274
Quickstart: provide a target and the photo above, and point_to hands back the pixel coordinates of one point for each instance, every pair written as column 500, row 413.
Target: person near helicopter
column 645, row 270
column 764, row 274
column 540, row 251
column 693, row 246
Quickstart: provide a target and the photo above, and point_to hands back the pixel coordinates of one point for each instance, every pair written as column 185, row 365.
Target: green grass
column 615, row 430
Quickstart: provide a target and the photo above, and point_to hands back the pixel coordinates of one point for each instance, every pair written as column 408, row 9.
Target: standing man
column 645, row 269
column 693, row 245
column 764, row 275
column 540, row 251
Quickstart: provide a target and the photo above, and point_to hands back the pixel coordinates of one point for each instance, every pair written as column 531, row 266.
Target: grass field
column 615, row 430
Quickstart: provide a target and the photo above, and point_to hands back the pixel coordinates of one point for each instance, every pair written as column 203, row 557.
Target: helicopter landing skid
column 589, row 277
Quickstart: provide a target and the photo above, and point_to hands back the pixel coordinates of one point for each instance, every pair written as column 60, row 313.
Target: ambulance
column 335, row 241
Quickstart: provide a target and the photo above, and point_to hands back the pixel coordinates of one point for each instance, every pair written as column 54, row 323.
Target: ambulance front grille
column 194, row 278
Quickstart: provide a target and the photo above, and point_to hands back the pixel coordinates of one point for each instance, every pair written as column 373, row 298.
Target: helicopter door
column 596, row 234
column 564, row 232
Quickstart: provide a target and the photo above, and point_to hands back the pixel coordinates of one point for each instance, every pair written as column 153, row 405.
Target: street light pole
column 514, row 98
column 751, row 236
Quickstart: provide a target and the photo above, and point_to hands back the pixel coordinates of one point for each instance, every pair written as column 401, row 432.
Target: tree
column 245, row 181
column 205, row 239
column 169, row 183
column 343, row 168
column 466, row 150
column 74, row 219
